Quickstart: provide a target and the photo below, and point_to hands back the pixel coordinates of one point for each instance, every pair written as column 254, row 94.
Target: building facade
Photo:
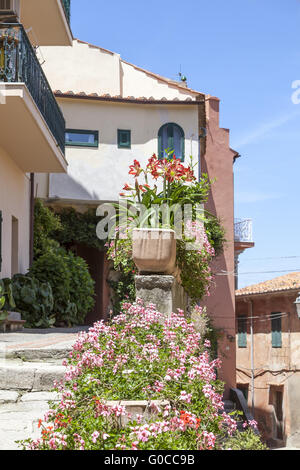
column 32, row 131
column 268, row 357
column 116, row 112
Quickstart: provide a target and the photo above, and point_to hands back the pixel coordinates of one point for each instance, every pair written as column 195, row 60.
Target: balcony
column 243, row 234
column 49, row 21
column 32, row 125
column 67, row 8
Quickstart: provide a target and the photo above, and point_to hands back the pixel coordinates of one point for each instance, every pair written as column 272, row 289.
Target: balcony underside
column 48, row 20
column 240, row 247
column 24, row 133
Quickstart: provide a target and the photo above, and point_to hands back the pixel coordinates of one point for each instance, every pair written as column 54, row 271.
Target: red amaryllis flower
column 174, row 170
column 127, row 187
column 135, row 169
column 154, row 166
column 189, row 175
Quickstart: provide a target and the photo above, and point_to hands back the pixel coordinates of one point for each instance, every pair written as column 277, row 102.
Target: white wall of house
column 100, row 173
column 91, row 69
column 15, row 206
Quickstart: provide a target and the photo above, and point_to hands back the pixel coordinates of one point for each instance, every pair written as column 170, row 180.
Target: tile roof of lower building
column 287, row 282
column 128, row 99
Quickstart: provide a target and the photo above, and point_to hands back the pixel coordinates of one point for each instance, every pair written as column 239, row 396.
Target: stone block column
column 162, row 290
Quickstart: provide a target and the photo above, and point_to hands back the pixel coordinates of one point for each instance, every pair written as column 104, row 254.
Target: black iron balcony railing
column 67, row 7
column 19, row 64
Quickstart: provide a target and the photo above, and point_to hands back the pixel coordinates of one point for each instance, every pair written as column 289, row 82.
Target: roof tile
column 289, row 281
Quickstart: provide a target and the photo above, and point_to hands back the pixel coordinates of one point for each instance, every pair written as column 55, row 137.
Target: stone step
column 37, row 355
column 20, row 414
column 30, row 376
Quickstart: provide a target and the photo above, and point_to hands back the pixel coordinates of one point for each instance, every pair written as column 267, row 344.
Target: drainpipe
column 204, row 134
column 31, row 218
column 250, row 310
column 252, row 354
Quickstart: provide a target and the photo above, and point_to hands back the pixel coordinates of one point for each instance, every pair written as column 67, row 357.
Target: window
column 242, row 332
column 276, row 399
column 276, row 330
column 171, row 137
column 124, row 139
column 81, row 138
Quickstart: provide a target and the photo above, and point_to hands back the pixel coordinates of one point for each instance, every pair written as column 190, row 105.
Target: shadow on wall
column 64, row 186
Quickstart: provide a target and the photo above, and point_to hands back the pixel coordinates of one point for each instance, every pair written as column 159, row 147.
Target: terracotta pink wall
column 217, row 162
column 275, row 368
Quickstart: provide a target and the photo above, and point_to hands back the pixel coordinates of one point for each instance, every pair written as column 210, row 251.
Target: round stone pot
column 154, row 250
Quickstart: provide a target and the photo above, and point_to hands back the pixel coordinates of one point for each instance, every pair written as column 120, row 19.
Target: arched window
column 171, row 136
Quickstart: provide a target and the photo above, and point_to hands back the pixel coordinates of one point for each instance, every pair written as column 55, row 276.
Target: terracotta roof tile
column 289, row 281
column 108, row 97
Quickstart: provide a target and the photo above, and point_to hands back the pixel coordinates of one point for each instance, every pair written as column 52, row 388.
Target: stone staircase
column 27, row 377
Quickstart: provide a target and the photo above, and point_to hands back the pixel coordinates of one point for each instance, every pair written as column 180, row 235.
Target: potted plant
column 154, row 250
column 155, row 233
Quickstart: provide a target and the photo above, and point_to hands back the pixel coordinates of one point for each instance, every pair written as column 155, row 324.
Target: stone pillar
column 163, row 291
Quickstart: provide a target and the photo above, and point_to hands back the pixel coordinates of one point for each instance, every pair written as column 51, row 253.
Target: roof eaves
column 129, row 99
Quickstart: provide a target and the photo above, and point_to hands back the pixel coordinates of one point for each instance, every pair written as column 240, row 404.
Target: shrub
column 52, row 267
column 77, row 227
column 246, row 440
column 34, row 300
column 139, row 355
column 45, row 222
column 123, row 290
column 71, row 284
column 6, row 298
column 81, row 286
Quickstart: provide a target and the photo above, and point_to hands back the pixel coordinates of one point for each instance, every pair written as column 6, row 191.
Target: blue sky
column 248, row 54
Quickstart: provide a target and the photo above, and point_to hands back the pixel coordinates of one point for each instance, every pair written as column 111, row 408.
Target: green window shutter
column 276, row 330
column 124, row 139
column 242, row 332
column 160, row 149
column 170, row 133
column 1, row 219
column 171, row 137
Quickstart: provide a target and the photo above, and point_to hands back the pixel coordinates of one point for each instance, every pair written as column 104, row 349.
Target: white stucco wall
column 100, row 173
column 138, row 83
column 89, row 69
column 81, row 68
column 14, row 202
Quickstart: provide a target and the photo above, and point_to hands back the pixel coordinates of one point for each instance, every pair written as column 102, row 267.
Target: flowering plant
column 165, row 207
column 139, row 355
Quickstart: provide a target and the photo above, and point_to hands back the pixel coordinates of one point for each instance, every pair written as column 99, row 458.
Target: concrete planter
column 137, row 407
column 154, row 250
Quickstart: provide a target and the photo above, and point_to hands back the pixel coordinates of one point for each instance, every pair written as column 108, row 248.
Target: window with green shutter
column 82, row 138
column 242, row 332
column 276, row 330
column 171, row 137
column 124, row 139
